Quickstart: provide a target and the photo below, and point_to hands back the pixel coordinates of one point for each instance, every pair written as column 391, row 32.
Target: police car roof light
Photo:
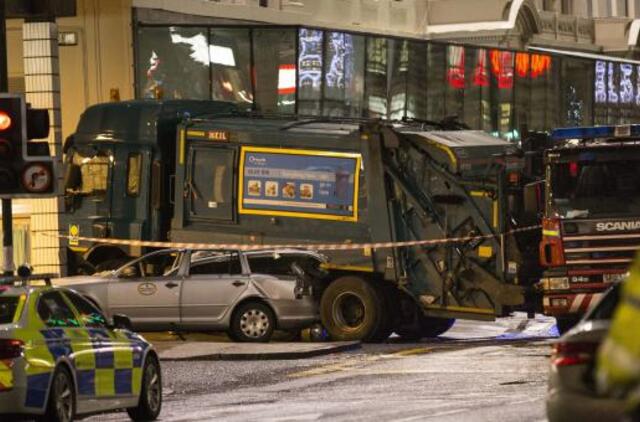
column 591, row 132
column 24, row 281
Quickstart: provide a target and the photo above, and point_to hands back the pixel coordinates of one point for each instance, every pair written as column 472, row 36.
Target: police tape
column 314, row 246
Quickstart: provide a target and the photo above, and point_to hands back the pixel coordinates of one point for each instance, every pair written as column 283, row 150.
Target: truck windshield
column 590, row 188
column 88, row 174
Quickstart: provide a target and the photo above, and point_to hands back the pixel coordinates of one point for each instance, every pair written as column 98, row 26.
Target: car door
column 148, row 291
column 113, row 363
column 65, row 336
column 213, row 285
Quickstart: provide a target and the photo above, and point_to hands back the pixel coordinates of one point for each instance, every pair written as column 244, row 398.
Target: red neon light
column 522, row 65
column 455, row 70
column 480, row 73
column 286, row 79
column 540, row 64
column 502, row 68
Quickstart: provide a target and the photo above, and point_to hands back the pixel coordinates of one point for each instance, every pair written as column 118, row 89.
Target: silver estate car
column 247, row 294
column 572, row 392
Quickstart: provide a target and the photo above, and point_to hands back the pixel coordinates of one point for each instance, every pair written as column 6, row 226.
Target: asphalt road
column 478, row 372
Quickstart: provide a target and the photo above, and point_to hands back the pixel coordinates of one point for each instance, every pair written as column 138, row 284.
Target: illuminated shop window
column 344, row 75
column 274, row 55
column 577, row 93
column 417, row 81
column 399, row 57
column 230, row 55
column 173, row 62
column 376, row 78
column 436, row 75
column 310, row 70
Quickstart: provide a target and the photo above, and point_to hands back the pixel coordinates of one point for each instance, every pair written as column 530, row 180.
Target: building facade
column 506, row 67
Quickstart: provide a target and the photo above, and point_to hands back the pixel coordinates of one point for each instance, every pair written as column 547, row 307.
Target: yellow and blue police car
column 59, row 357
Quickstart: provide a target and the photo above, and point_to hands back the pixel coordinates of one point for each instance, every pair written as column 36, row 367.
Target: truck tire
column 351, row 309
column 426, row 327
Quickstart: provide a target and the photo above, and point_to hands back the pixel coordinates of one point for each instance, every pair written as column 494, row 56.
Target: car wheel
column 351, row 309
column 61, row 406
column 253, row 322
column 150, row 401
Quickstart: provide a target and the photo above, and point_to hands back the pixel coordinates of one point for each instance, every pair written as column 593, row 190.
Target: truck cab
column 118, row 167
column 591, row 223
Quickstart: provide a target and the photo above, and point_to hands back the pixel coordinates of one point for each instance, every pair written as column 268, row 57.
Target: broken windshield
column 595, row 188
column 88, row 175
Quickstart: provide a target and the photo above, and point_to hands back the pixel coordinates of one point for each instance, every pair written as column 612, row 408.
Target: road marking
column 410, row 352
column 353, row 363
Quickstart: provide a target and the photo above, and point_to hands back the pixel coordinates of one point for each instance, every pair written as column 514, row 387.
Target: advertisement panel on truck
column 299, row 183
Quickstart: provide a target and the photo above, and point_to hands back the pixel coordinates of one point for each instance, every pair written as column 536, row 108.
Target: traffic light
column 26, row 167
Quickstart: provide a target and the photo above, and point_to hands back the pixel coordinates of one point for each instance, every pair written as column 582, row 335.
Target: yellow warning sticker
column 74, row 235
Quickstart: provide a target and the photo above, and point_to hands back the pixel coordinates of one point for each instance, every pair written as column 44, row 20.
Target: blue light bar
column 590, row 132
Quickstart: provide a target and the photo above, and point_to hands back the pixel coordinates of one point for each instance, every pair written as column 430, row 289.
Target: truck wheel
column 385, row 325
column 351, row 309
column 426, row 327
column 252, row 322
column 433, row 327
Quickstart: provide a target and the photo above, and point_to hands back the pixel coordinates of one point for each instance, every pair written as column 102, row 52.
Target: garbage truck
column 454, row 194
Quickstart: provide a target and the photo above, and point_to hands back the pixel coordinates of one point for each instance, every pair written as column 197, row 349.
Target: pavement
column 478, row 371
column 249, row 351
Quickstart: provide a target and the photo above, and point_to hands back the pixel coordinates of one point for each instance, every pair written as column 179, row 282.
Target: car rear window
column 8, row 308
column 605, row 308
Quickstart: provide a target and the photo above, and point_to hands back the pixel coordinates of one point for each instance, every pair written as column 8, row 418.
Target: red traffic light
column 5, row 120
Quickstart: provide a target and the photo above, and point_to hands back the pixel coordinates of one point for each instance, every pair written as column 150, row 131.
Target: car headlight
column 555, row 283
column 614, row 278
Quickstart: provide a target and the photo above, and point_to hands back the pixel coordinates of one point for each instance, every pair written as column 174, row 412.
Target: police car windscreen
column 8, row 307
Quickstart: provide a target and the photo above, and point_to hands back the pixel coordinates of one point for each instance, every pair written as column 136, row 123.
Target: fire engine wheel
column 352, row 309
column 426, row 327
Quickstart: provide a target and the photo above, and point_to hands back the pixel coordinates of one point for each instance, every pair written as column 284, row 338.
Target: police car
column 59, row 357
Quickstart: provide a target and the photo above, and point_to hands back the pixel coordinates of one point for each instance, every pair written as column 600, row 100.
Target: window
column 274, row 54
column 8, row 307
column 90, row 316
column 621, row 6
column 173, row 62
column 376, row 74
column 230, row 55
column 134, row 167
column 271, row 265
column 160, row 264
column 606, row 307
column 436, row 72
column 577, row 98
column 88, row 175
column 417, row 81
column 309, row 71
column 343, row 75
column 566, row 7
column 55, row 312
column 221, row 264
